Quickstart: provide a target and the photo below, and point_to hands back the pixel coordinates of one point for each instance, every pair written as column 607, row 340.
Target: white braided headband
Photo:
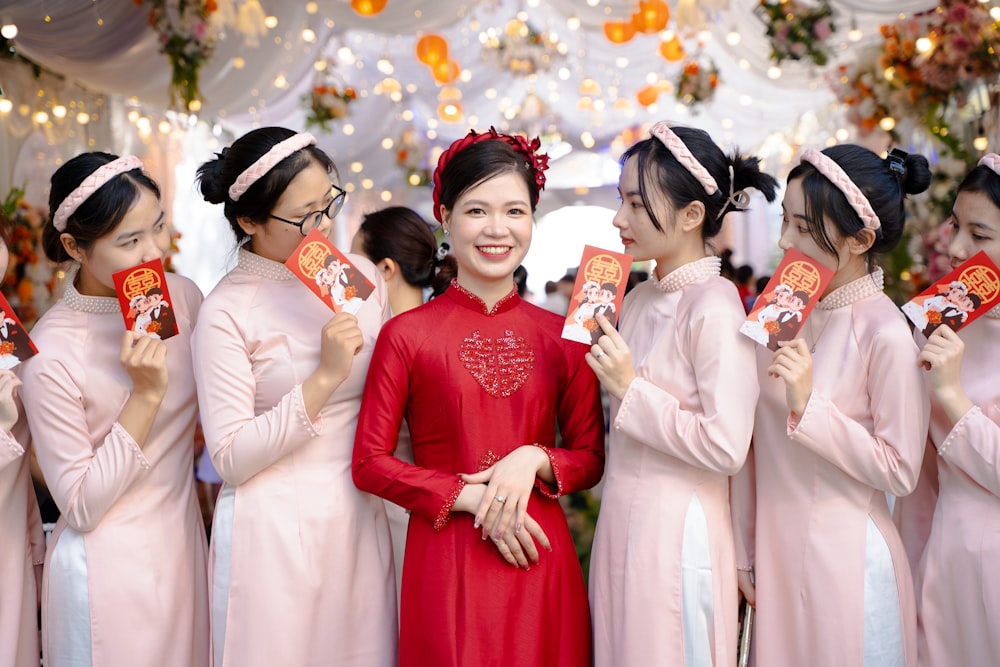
column 267, row 162
column 991, row 160
column 661, row 130
column 836, row 175
column 90, row 185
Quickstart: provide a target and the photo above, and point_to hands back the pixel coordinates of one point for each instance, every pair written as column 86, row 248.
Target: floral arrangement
column 697, row 82
column 797, row 31
column 412, row 157
column 328, row 100
column 521, row 49
column 187, row 39
column 965, row 42
column 30, row 281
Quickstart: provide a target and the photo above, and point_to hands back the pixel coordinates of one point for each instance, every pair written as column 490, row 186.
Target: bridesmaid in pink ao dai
column 302, row 569
column 22, row 548
column 840, row 424
column 682, row 382
column 112, row 416
column 958, row 585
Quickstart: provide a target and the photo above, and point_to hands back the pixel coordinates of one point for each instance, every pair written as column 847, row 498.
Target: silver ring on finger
column 599, row 354
column 500, row 499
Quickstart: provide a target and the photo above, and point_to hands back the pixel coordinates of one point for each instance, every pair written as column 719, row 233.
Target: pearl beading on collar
column 994, row 312
column 854, row 291
column 691, row 272
column 265, row 268
column 102, row 305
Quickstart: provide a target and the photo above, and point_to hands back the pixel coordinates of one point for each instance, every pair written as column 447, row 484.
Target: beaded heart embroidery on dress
column 500, row 365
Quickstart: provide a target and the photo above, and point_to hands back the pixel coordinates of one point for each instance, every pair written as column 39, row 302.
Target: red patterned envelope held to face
column 329, row 274
column 599, row 290
column 15, row 345
column 791, row 294
column 958, row 298
column 145, row 301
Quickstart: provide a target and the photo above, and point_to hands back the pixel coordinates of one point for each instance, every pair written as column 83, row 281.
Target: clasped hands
column 498, row 497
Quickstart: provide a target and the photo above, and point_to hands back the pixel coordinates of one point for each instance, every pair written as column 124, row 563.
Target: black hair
column 481, row 161
column 659, row 169
column 975, row 299
column 884, row 182
column 402, row 235
column 801, row 295
column 982, row 179
column 521, row 280
column 215, row 176
column 101, row 212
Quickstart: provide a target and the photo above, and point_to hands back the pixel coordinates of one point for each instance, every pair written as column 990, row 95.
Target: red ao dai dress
column 473, row 385
column 663, row 568
column 302, row 570
column 832, row 579
column 125, row 574
column 958, row 581
column 21, row 547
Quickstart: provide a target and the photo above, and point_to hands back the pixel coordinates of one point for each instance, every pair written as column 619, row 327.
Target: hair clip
column 897, row 160
column 441, row 253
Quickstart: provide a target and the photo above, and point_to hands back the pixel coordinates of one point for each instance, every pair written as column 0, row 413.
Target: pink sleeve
column 427, row 493
column 913, row 514
column 10, row 449
column 240, row 442
column 973, row 445
column 85, row 475
column 717, row 437
column 36, row 534
column 888, row 457
column 743, row 506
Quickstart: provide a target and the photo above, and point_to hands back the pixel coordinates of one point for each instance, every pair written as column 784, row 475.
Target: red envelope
column 599, row 290
column 145, row 301
column 958, row 298
column 329, row 274
column 790, row 295
column 15, row 345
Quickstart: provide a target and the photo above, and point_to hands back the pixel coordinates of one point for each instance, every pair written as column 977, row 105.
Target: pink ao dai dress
column 663, row 570
column 125, row 574
column 832, row 580
column 958, row 582
column 22, row 546
column 301, row 561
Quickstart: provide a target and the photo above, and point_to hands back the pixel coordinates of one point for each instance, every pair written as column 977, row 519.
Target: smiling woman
column 484, row 449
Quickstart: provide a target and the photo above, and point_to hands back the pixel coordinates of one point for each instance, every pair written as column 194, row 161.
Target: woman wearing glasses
column 301, row 560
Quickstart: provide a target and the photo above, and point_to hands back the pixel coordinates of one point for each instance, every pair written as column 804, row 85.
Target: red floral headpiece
column 539, row 161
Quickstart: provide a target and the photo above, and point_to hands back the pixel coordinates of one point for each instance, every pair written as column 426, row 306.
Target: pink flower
column 822, row 29
column 958, row 14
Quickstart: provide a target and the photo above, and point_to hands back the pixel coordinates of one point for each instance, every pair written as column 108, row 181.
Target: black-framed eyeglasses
column 312, row 220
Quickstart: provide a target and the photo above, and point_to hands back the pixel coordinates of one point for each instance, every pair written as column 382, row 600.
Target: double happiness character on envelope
column 599, row 290
column 145, row 301
column 328, row 273
column 958, row 298
column 15, row 345
column 791, row 294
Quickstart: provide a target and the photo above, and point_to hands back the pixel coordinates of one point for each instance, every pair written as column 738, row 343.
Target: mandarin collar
column 266, row 268
column 690, row 273
column 102, row 305
column 464, row 297
column 854, row 291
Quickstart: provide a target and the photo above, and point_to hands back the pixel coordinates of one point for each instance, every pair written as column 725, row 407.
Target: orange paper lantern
column 648, row 95
column 446, row 71
column 672, row 49
column 651, row 17
column 619, row 32
column 432, row 49
column 368, row 7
